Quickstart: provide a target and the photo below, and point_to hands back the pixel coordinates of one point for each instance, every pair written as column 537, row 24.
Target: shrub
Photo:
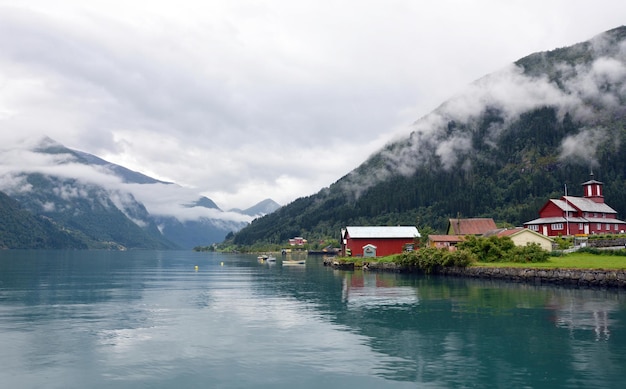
column 596, row 251
column 529, row 253
column 429, row 259
column 495, row 249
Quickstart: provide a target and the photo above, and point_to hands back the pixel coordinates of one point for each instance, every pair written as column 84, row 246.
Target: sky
column 246, row 100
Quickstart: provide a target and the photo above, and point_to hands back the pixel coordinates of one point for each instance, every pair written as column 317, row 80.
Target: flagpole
column 566, row 210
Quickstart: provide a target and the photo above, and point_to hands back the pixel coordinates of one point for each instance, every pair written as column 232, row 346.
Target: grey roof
column 383, row 232
column 563, row 205
column 603, row 220
column 587, row 205
column 560, row 219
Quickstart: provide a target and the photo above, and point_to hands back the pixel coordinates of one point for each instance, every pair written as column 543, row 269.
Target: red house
column 376, row 241
column 571, row 215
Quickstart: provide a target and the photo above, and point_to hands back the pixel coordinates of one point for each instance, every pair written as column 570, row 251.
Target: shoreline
column 603, row 278
column 567, row 277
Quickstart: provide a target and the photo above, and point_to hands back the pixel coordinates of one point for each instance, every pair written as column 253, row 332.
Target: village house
column 572, row 215
column 474, row 226
column 297, row 241
column 523, row 237
column 458, row 229
column 377, row 241
column 445, row 241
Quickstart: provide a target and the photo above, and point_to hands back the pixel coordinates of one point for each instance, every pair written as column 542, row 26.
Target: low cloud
column 582, row 147
column 159, row 199
column 509, row 93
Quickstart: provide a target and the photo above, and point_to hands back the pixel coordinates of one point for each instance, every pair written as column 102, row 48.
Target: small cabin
column 359, row 241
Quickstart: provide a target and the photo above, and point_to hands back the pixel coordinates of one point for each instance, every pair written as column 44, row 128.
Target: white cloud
column 244, row 100
column 582, row 147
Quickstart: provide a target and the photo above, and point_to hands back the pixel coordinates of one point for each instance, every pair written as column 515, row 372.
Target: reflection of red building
column 384, row 240
column 367, row 289
column 572, row 215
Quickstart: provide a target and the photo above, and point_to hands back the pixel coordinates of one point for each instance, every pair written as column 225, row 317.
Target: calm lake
column 149, row 319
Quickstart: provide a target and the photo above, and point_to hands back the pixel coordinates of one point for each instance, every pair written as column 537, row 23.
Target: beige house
column 523, row 236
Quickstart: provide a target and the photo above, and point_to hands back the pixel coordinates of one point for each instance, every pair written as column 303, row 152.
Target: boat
column 271, row 259
column 294, row 262
column 262, row 258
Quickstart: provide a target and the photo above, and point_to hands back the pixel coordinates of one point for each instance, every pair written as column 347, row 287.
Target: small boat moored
column 294, row 262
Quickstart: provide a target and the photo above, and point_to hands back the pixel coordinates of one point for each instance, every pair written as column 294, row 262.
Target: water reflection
column 375, row 290
column 575, row 313
column 151, row 319
column 460, row 330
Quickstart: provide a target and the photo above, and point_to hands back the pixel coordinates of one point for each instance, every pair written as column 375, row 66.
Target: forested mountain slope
column 20, row 229
column 500, row 149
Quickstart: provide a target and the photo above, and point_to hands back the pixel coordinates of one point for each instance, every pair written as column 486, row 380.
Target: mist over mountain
column 499, row 149
column 263, row 208
column 98, row 204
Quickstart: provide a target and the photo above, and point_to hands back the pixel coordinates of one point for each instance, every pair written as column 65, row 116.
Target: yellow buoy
column 221, row 263
column 196, row 268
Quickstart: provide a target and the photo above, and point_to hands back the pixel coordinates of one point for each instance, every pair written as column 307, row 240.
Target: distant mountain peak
column 48, row 145
column 204, row 202
column 262, row 208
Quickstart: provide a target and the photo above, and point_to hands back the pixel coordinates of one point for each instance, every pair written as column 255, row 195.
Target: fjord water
column 149, row 319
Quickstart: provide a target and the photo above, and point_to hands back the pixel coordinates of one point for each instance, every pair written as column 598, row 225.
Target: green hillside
column 20, row 230
column 500, row 150
column 87, row 212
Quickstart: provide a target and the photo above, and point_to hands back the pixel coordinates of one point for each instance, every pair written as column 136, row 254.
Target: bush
column 529, row 253
column 429, row 259
column 495, row 249
column 596, row 251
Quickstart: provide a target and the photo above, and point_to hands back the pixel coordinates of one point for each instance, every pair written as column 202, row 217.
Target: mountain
column 500, row 149
column 50, row 146
column 101, row 218
column 20, row 229
column 263, row 208
column 104, row 205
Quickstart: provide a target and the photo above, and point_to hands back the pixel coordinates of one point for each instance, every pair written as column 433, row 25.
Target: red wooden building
column 572, row 215
column 377, row 241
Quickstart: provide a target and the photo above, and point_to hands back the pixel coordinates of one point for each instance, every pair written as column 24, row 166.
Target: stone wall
column 576, row 277
column 573, row 277
column 617, row 242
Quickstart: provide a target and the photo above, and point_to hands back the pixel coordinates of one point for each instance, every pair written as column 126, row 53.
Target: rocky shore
column 571, row 277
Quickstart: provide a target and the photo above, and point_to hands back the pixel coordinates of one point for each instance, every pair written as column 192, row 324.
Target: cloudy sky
column 244, row 100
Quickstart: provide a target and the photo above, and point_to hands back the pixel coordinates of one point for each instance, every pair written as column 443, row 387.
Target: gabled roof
column 522, row 230
column 587, row 205
column 563, row 205
column 476, row 226
column 446, row 238
column 383, row 232
column 511, row 232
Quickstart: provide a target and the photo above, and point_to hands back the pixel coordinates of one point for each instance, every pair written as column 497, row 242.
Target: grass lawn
column 569, row 261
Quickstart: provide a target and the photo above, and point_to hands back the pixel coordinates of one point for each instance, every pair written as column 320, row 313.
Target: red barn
column 572, row 215
column 376, row 241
